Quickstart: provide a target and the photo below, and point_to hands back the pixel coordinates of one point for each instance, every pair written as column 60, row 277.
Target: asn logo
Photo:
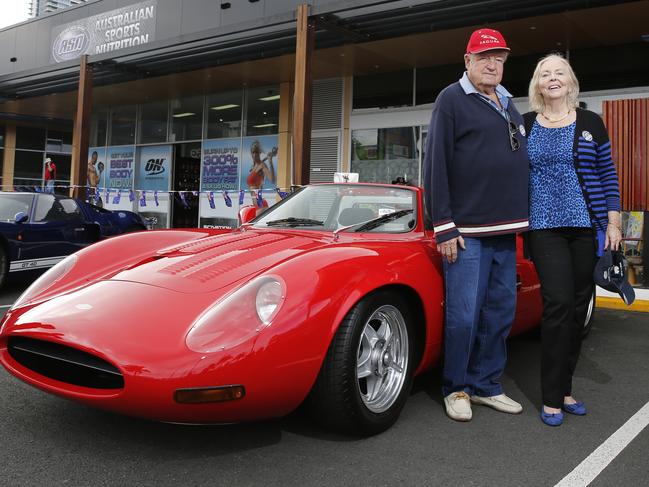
column 71, row 43
column 154, row 167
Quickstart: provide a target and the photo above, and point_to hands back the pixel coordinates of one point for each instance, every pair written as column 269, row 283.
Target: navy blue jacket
column 475, row 184
column 594, row 167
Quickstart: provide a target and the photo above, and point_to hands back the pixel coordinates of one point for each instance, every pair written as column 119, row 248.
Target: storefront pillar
column 9, row 157
column 284, row 168
column 81, row 131
column 302, row 98
column 347, row 111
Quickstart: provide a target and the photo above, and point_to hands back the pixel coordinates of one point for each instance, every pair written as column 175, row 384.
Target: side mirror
column 21, row 217
column 247, row 213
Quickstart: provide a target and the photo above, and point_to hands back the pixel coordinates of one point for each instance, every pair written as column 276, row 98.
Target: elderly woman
column 574, row 216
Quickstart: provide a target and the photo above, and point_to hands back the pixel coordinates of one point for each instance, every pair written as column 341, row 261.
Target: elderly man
column 476, row 180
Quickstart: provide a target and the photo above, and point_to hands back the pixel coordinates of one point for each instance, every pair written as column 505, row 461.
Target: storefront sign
column 106, row 32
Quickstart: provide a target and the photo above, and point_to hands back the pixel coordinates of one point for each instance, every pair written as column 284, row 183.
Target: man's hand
column 448, row 249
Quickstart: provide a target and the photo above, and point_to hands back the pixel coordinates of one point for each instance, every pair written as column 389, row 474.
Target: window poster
column 219, row 192
column 152, row 184
column 258, row 170
column 96, row 174
column 118, row 193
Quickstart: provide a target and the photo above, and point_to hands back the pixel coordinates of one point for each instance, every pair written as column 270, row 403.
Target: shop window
column 122, row 126
column 30, row 138
column 383, row 155
column 63, row 169
column 430, row 81
column 224, row 114
column 262, row 111
column 633, row 245
column 384, row 90
column 187, row 119
column 153, row 122
column 58, row 141
column 98, row 128
column 28, row 168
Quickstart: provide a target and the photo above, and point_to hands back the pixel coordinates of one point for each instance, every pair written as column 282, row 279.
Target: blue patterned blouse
column 556, row 199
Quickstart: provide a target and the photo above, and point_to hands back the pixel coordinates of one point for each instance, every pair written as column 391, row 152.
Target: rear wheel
column 367, row 374
column 134, row 228
column 588, row 322
column 4, row 265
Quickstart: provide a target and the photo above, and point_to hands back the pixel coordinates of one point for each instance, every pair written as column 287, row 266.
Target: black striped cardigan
column 594, row 167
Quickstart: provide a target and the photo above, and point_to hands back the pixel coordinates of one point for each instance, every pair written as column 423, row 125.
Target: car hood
column 214, row 262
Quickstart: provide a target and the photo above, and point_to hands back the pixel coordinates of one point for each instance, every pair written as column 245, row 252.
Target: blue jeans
column 49, row 186
column 480, row 308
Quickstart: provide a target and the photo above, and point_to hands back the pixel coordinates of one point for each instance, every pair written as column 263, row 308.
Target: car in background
column 38, row 230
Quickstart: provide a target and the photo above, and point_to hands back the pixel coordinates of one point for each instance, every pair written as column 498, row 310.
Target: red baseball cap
column 485, row 40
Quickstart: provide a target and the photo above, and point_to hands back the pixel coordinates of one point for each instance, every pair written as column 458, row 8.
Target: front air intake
column 65, row 364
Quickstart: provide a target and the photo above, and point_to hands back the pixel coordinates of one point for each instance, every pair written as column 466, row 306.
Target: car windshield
column 10, row 204
column 330, row 207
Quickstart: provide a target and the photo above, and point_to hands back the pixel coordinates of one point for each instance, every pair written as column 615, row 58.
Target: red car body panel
column 132, row 300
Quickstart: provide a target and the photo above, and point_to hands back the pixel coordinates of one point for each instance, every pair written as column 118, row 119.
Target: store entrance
column 186, row 182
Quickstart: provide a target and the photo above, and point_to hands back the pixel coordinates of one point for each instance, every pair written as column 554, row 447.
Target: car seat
column 351, row 216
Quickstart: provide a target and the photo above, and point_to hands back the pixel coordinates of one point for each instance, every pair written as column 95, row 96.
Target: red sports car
column 334, row 296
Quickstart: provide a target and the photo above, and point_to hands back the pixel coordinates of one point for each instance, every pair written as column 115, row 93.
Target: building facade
column 189, row 95
column 42, row 7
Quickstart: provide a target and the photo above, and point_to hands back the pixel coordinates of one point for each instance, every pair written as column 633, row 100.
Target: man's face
column 485, row 70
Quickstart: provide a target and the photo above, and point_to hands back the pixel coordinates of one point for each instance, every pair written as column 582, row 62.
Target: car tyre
column 134, row 228
column 4, row 265
column 367, row 373
column 590, row 314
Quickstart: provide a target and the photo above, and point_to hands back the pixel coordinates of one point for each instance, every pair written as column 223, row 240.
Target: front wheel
column 367, row 374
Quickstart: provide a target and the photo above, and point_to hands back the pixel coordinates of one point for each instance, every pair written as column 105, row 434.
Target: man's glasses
column 514, row 143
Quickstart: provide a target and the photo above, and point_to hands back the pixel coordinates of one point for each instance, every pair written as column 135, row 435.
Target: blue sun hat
column 611, row 274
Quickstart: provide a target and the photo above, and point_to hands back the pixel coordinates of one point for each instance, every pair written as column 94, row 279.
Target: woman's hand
column 613, row 233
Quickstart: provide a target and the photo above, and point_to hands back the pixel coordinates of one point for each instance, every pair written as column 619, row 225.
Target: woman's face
column 554, row 81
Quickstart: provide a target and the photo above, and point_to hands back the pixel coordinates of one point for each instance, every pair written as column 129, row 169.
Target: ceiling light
column 184, row 114
column 264, row 125
column 270, row 98
column 224, row 107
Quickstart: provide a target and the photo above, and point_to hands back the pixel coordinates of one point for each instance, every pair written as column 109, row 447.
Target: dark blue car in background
column 37, row 230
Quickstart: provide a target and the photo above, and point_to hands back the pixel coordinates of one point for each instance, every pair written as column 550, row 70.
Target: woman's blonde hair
column 536, row 99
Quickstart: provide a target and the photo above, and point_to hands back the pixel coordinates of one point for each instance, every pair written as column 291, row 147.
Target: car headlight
column 47, row 280
column 237, row 317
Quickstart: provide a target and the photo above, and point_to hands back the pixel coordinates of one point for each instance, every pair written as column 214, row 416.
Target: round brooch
column 587, row 135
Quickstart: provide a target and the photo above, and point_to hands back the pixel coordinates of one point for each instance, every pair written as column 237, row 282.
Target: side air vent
column 65, row 364
column 327, row 104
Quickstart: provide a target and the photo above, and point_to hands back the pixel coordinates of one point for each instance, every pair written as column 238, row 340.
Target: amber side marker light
column 209, row 394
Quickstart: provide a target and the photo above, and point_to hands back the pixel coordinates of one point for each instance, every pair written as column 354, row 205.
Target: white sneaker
column 458, row 406
column 500, row 403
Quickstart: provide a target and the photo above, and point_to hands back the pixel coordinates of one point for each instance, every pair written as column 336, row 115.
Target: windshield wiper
column 295, row 222
column 377, row 222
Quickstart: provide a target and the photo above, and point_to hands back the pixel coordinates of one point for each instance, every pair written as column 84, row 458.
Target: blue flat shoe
column 578, row 408
column 551, row 419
